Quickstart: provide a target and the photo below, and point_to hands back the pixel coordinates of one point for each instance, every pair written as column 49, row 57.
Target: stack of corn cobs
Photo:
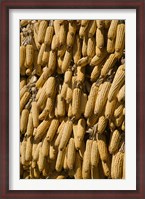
column 72, row 99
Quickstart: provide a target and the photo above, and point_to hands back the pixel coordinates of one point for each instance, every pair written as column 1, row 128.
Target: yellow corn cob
column 77, row 49
column 24, row 100
column 36, row 28
column 121, row 94
column 80, row 133
column 119, row 120
column 100, row 23
column 118, row 111
column 117, row 165
column 42, row 31
column 24, row 120
column 102, row 98
column 64, row 90
column 35, row 114
column 41, row 129
column 55, row 43
column 60, row 106
column 110, row 107
column 84, row 99
column 98, row 59
column 30, row 127
column 50, row 87
column 23, row 152
column 80, row 74
column 69, row 114
column 110, row 45
column 95, row 173
column 40, row 54
column 91, row 47
column 52, row 151
column 69, row 94
column 60, row 160
column 23, row 90
column 56, row 24
column 52, row 129
column 95, row 73
column 123, row 126
column 94, row 154
column 46, row 169
column 108, row 64
column 42, row 98
column 82, row 31
column 62, row 35
column 67, row 131
column 100, row 51
column 86, row 167
column 83, row 62
column 70, row 40
column 59, row 132
column 28, row 154
column 120, row 37
column 36, row 152
column 66, row 61
column 42, row 79
column 71, row 154
column 49, row 35
column 118, row 81
column 84, row 46
column 102, row 123
column 36, row 173
column 112, row 29
column 22, row 55
column 22, row 82
column 102, row 147
column 91, row 101
column 29, row 55
column 92, row 28
column 45, row 57
column 99, row 38
column 41, row 160
column 106, row 168
column 68, row 77
column 78, row 167
column 76, row 102
column 45, row 147
column 52, row 61
column 114, row 141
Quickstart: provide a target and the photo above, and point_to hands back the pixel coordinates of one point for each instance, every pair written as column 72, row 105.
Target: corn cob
column 52, row 129
column 92, row 28
column 84, row 46
column 22, row 55
column 71, row 154
column 24, row 120
column 52, row 61
column 78, row 167
column 91, row 47
column 41, row 130
column 110, row 107
column 77, row 50
column 49, row 35
column 50, row 87
column 84, row 99
column 108, row 64
column 94, row 154
column 60, row 106
column 42, row 31
column 29, row 55
column 117, row 165
column 120, row 36
column 112, row 29
column 28, row 154
column 110, row 45
column 67, row 131
column 80, row 133
column 62, row 35
column 66, row 61
column 86, row 167
column 102, row 123
column 102, row 147
column 76, row 102
column 118, row 81
column 54, row 43
column 102, row 98
column 121, row 94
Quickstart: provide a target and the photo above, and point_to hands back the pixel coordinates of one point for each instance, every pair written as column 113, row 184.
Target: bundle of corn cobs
column 72, row 99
